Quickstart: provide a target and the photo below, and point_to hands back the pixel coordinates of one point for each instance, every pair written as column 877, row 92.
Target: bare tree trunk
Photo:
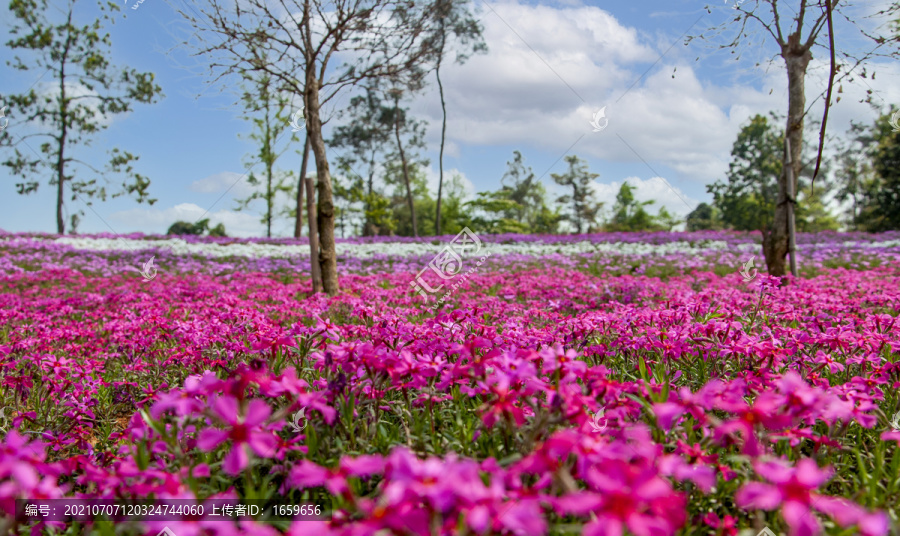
column 60, row 176
column 315, row 274
column 369, row 227
column 325, row 201
column 409, row 198
column 437, row 219
column 792, row 202
column 60, row 160
column 775, row 243
column 298, row 223
column 269, row 165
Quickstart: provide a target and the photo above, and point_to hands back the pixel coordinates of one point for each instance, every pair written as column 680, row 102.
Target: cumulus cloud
column 431, row 178
column 83, row 97
column 654, row 189
column 550, row 68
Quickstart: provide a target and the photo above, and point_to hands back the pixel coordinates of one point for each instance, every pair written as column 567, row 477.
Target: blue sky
column 673, row 111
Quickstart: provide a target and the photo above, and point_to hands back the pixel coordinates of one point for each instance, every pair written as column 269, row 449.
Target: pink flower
column 244, row 431
column 727, row 525
column 793, row 490
column 272, row 343
column 307, row 474
column 628, row 495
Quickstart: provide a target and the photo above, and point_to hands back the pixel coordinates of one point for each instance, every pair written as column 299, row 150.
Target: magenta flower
column 627, row 495
column 272, row 343
column 793, row 490
column 307, row 474
column 726, row 526
column 244, row 431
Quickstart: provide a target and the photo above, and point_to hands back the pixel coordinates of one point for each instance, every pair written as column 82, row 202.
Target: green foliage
column 422, row 200
column 365, row 137
column 348, row 193
column 585, row 209
column 857, row 182
column 409, row 136
column 882, row 200
column 746, row 200
column 453, row 20
column 218, row 230
column 812, row 214
column 519, row 206
column 703, row 218
column 630, row 215
column 267, row 109
column 72, row 56
column 196, row 229
column 380, row 139
column 667, row 221
column 453, row 215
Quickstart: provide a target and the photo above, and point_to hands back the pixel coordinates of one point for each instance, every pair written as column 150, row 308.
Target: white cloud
column 542, row 92
column 512, row 97
column 234, row 183
column 87, row 100
column 653, row 189
column 431, row 178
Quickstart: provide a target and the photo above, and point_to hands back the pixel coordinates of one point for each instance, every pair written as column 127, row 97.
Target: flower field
column 599, row 384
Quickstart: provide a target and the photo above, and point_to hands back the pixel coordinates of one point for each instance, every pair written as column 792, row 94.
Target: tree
column 454, row 217
column 491, row 209
column 584, row 207
column 704, row 218
column 519, row 206
column 385, row 38
column 667, row 221
column 795, row 49
column 521, row 187
column 629, row 214
column 409, row 186
column 453, row 18
column 86, row 92
column 746, row 200
column 363, row 139
column 266, row 105
column 196, row 228
column 348, row 194
column 857, row 182
column 882, row 197
column 414, row 132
